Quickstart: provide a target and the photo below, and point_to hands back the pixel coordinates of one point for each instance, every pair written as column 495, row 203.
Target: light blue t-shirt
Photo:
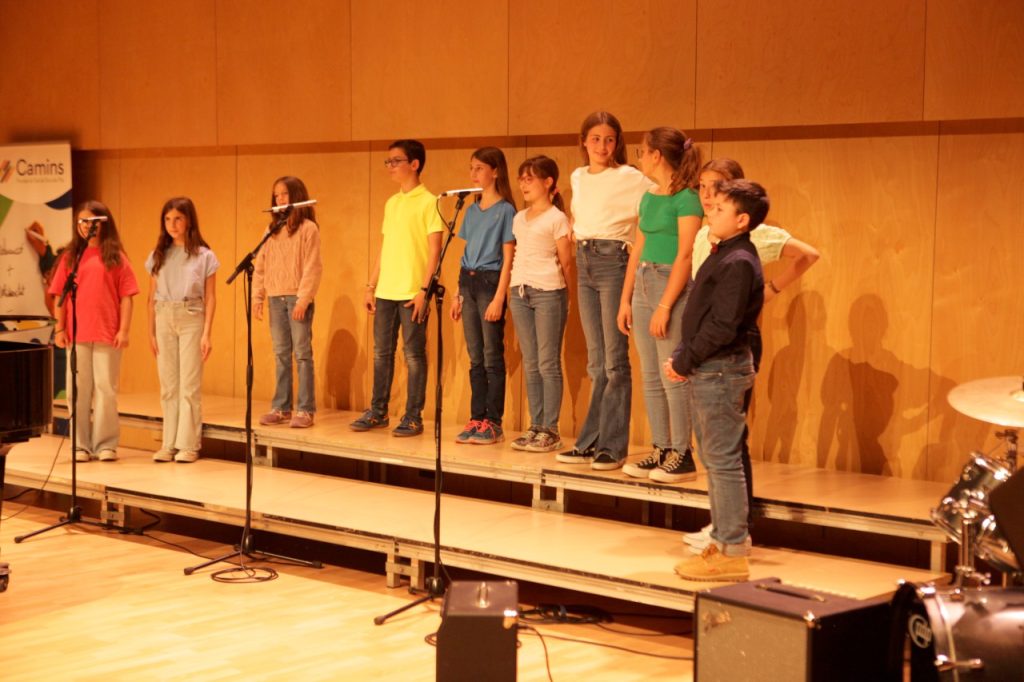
column 485, row 231
column 183, row 277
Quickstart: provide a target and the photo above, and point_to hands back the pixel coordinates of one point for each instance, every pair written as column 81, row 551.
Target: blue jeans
column 540, row 317
column 389, row 318
column 292, row 336
column 668, row 402
column 601, row 269
column 718, row 390
column 485, row 343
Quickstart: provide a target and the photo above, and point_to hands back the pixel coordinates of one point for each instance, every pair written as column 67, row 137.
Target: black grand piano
column 26, row 402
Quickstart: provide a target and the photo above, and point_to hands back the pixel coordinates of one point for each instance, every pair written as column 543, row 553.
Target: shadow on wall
column 342, row 383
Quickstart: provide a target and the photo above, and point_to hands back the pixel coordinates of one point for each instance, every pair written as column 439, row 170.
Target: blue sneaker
column 487, row 432
column 467, row 433
column 408, row 427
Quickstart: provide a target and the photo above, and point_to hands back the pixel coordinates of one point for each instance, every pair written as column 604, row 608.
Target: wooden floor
column 85, row 604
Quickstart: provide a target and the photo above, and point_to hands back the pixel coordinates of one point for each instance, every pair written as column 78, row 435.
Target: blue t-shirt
column 485, row 232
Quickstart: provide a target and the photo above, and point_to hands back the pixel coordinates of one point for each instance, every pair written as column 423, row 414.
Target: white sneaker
column 186, row 456
column 163, row 455
column 107, row 455
column 696, row 542
column 82, row 456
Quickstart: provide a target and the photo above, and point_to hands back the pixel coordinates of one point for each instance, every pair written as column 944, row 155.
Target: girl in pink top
column 106, row 285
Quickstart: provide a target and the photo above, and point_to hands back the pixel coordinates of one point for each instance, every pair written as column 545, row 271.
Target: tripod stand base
column 248, row 550
column 435, row 589
column 74, row 516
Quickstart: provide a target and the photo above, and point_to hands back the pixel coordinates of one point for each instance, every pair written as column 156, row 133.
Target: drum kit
column 968, row 630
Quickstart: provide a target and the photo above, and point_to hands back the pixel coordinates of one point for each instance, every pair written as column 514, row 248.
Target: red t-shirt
column 100, row 290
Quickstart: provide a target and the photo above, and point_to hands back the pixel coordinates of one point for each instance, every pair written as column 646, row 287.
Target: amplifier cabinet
column 478, row 633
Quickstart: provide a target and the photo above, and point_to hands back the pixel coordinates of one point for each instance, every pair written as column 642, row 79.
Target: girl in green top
column 654, row 293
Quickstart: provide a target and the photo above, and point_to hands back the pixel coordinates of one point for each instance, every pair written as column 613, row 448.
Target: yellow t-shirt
column 408, row 218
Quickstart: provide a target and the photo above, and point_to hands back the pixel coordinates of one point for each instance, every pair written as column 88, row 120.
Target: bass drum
column 969, row 496
column 969, row 634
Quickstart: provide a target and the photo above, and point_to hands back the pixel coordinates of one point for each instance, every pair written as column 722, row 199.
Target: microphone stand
column 74, row 514
column 247, row 546
column 435, row 584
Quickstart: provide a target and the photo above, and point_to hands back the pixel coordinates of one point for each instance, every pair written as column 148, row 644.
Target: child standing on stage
column 539, row 301
column 715, row 358
column 654, row 294
column 106, row 285
column 396, row 291
column 287, row 275
column 605, row 196
column 772, row 244
column 182, row 300
column 483, row 286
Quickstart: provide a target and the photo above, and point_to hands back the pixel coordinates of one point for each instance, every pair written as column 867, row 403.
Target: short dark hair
column 748, row 197
column 414, row 151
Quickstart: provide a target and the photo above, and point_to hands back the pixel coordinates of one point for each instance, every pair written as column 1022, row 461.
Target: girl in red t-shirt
column 106, row 285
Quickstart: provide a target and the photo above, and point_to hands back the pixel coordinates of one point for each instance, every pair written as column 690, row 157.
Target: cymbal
column 998, row 401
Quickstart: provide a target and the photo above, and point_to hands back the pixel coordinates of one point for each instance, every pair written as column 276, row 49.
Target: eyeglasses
column 394, row 161
column 640, row 151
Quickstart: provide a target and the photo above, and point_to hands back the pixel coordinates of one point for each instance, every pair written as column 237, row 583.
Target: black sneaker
column 576, row 456
column 408, row 427
column 604, row 460
column 675, row 468
column 644, row 467
column 369, row 421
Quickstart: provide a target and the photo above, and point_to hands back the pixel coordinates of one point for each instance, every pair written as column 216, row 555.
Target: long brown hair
column 296, row 192
column 603, row 118
column 495, row 158
column 110, row 246
column 543, row 167
column 727, row 168
column 193, row 238
column 680, row 153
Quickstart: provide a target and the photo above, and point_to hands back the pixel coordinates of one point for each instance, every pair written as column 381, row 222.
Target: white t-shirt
column 767, row 239
column 536, row 260
column 183, row 277
column 605, row 205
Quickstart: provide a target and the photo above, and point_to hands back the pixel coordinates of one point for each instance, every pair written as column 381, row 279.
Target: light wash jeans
column 668, row 402
column 179, row 362
column 99, row 373
column 718, row 389
column 292, row 336
column 539, row 317
column 392, row 316
column 601, row 270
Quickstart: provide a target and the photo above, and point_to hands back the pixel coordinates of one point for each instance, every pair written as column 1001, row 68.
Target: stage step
column 610, row 558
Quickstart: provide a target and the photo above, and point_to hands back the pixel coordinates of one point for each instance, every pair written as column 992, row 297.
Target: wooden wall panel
column 340, row 182
column 800, row 63
column 157, row 73
column 567, row 59
column 846, row 373
column 436, row 69
column 263, row 97
column 979, row 304
column 974, row 66
column 146, row 183
column 50, row 86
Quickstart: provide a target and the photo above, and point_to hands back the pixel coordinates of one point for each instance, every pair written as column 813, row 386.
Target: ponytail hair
column 109, row 239
column 604, row 118
column 681, row 154
column 193, row 238
column 543, row 167
column 296, row 192
column 727, row 168
column 495, row 158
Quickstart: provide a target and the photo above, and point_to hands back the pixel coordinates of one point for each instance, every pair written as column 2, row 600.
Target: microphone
column 288, row 207
column 461, row 193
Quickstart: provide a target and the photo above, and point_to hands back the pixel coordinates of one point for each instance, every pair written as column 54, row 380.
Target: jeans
column 718, row 390
column 540, row 318
column 179, row 362
column 389, row 318
column 485, row 342
column 668, row 402
column 292, row 336
column 99, row 373
column 601, row 269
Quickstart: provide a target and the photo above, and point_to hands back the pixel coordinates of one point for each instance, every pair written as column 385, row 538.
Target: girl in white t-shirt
column 606, row 194
column 539, row 302
column 182, row 300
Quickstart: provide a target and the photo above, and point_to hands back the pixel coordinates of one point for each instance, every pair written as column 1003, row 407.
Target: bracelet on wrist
column 370, row 285
column 666, row 307
column 771, row 285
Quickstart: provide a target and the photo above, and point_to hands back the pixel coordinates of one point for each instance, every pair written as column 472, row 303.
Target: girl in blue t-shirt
column 483, row 285
column 654, row 294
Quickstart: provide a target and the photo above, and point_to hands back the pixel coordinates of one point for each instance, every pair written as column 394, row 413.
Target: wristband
column 370, row 285
column 771, row 285
column 666, row 307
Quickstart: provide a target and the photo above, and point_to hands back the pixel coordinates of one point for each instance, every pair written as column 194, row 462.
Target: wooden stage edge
column 609, row 558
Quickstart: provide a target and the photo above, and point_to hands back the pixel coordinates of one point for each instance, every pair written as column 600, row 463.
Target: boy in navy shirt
column 715, row 358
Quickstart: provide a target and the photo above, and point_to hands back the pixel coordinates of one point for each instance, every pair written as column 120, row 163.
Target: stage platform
column 837, row 499
column 621, row 560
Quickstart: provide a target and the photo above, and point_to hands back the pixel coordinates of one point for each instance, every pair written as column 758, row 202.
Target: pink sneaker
column 275, row 417
column 302, row 420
